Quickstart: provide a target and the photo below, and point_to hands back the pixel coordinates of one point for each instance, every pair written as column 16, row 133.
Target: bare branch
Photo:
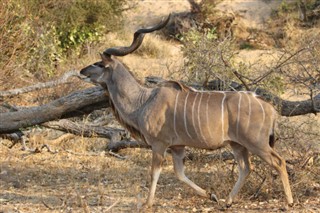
column 235, row 72
column 195, row 7
column 62, row 80
column 259, row 79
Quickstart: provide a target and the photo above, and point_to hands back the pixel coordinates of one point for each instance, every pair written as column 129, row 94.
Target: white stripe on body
column 238, row 116
column 263, row 113
column 249, row 114
column 207, row 113
column 175, row 114
column 222, row 115
column 192, row 113
column 199, row 120
column 185, row 115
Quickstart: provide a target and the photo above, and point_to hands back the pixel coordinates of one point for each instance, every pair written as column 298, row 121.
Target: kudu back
column 173, row 116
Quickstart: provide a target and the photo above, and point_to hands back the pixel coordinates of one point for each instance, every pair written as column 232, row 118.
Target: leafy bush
column 38, row 35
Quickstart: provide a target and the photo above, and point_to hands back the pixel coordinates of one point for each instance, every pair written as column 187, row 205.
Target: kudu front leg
column 178, row 154
column 157, row 160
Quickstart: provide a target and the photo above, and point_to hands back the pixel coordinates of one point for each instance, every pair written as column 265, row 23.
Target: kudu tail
column 272, row 138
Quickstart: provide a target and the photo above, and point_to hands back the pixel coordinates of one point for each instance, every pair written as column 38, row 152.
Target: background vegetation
column 36, row 37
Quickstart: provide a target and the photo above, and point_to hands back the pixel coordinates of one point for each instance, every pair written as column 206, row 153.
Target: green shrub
column 37, row 35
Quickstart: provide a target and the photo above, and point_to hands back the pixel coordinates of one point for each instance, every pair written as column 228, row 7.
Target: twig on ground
column 117, row 155
column 39, row 150
column 48, row 148
column 255, row 195
column 113, row 205
column 54, row 208
column 85, row 154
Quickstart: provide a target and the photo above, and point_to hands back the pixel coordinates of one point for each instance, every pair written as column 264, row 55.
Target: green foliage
column 275, row 83
column 37, row 35
column 284, row 7
column 85, row 21
column 289, row 6
column 196, row 36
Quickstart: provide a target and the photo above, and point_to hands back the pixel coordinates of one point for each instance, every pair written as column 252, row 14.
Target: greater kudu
column 173, row 116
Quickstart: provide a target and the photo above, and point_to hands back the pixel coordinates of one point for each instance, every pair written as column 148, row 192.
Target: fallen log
column 115, row 146
column 74, row 104
column 87, row 130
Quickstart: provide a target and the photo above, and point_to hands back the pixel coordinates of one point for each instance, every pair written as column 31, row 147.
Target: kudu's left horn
column 137, row 40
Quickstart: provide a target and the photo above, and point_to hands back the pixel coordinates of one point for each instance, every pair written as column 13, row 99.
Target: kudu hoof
column 287, row 207
column 144, row 207
column 213, row 197
column 228, row 205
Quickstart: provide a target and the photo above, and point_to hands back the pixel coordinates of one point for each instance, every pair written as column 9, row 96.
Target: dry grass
column 82, row 177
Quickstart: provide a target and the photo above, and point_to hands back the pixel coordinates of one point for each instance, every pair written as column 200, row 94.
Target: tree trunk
column 74, row 104
column 302, row 10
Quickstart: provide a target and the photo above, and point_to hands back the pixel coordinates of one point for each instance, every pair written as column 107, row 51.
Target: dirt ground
column 81, row 176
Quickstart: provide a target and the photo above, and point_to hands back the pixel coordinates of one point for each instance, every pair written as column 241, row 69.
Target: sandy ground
column 253, row 13
column 150, row 11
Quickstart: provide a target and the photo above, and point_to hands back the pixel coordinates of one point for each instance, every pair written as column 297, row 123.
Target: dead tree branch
column 62, row 80
column 117, row 145
column 86, row 130
column 74, row 104
column 278, row 66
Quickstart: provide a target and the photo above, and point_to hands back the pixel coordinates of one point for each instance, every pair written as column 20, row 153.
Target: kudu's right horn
column 137, row 40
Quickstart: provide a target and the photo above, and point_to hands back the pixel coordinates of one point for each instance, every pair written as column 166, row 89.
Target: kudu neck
column 127, row 95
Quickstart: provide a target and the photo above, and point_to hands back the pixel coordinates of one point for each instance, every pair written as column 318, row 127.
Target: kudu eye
column 98, row 64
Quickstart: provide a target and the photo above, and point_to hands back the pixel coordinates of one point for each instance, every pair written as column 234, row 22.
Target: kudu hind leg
column 241, row 155
column 178, row 154
column 276, row 161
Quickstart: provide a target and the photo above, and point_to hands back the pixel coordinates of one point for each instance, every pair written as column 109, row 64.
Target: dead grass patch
column 78, row 181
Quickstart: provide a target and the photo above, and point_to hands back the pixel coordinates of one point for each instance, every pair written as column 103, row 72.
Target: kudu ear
column 106, row 60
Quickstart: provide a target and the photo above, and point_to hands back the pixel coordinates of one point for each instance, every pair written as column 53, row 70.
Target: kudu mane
column 176, row 85
column 135, row 133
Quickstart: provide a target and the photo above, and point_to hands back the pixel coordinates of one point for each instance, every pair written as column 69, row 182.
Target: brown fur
column 176, row 85
column 136, row 134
